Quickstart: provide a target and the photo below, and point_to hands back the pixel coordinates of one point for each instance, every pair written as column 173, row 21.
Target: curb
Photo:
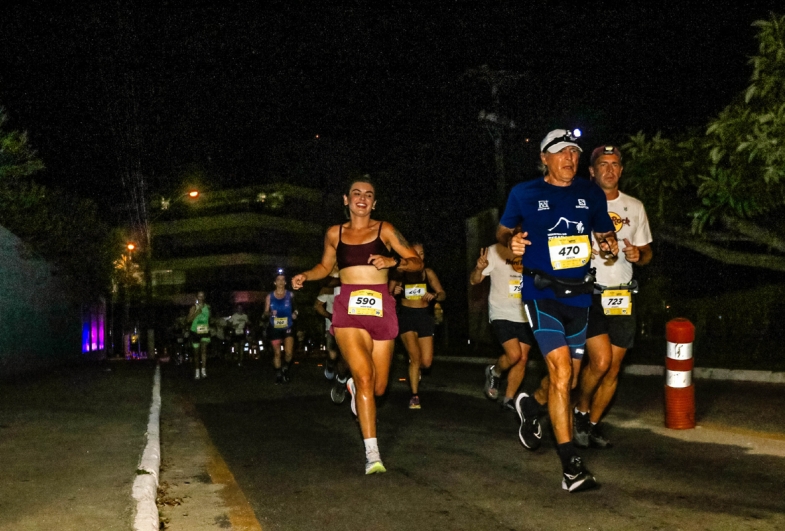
column 145, row 488
column 699, row 373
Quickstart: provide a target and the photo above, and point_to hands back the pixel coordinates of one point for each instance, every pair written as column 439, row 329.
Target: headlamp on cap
column 569, row 137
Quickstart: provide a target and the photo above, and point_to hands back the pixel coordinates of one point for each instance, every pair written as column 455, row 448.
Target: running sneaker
column 352, row 391
column 414, row 402
column 338, row 392
column 580, row 429
column 204, row 373
column 376, row 467
column 576, row 478
column 287, row 378
column 279, row 378
column 491, row 383
column 597, row 439
column 530, row 432
column 197, row 375
column 508, row 405
column 329, row 371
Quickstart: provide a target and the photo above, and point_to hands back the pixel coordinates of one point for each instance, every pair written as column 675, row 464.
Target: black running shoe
column 576, row 478
column 530, row 432
column 597, row 438
column 338, row 392
column 580, row 429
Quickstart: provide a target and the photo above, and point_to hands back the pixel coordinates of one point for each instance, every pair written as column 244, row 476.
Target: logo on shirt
column 618, row 221
column 543, row 205
column 516, row 264
column 582, row 204
column 578, row 225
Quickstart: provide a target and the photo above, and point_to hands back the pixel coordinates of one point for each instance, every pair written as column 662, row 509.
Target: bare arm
column 607, row 242
column 482, row 262
column 410, row 262
column 321, row 306
column 514, row 241
column 637, row 255
column 266, row 313
column 323, row 268
column 439, row 294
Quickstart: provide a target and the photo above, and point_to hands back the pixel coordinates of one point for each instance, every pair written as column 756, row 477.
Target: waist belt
column 632, row 286
column 563, row 287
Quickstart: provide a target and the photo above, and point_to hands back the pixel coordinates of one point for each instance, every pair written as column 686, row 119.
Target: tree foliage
column 731, row 175
column 62, row 229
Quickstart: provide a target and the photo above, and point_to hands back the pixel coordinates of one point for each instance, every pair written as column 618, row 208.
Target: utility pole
column 495, row 122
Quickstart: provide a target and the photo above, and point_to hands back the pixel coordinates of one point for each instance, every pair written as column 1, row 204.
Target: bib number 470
column 572, row 250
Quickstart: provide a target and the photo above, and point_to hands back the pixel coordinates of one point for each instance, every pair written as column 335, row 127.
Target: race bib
column 365, row 302
column 202, row 329
column 617, row 302
column 414, row 292
column 569, row 251
column 515, row 289
column 280, row 322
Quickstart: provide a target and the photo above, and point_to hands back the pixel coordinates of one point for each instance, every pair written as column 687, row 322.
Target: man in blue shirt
column 558, row 214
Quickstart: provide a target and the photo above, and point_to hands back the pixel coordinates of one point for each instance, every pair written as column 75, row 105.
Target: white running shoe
column 375, row 467
column 204, row 373
column 197, row 375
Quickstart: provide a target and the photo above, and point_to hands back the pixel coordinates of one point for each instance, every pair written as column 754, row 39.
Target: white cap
column 557, row 140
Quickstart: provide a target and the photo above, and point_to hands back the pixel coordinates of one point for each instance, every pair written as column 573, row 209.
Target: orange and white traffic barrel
column 679, row 389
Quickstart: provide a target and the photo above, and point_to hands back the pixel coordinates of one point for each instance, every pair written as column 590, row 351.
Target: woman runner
column 364, row 320
column 415, row 319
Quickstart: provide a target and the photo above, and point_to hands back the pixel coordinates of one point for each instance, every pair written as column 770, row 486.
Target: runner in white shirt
column 507, row 318
column 238, row 321
column 611, row 328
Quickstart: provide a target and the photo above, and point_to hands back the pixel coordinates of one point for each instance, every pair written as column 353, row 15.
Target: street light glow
column 193, row 193
column 130, row 246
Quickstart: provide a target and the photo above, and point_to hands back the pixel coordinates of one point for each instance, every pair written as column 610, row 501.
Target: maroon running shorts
column 358, row 306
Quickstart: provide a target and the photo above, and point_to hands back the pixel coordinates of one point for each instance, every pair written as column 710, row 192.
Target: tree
column 731, row 176
column 62, row 229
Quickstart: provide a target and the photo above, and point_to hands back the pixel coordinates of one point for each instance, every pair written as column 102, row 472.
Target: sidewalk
column 70, row 442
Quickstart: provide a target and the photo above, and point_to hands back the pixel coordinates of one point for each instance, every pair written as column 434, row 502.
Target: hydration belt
column 563, row 287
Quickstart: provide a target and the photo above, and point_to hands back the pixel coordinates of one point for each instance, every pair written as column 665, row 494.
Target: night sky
column 240, row 92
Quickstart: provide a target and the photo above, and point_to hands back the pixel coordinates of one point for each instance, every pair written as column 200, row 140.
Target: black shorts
column 278, row 334
column 620, row 328
column 506, row 330
column 556, row 325
column 419, row 320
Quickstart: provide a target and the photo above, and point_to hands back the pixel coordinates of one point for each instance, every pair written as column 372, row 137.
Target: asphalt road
column 457, row 464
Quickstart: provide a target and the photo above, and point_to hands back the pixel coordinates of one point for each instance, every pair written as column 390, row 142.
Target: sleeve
column 600, row 219
column 512, row 216
column 642, row 232
column 322, row 298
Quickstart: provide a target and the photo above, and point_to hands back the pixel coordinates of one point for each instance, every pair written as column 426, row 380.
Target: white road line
column 145, row 488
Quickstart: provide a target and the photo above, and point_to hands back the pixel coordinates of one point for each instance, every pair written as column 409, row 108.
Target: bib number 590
column 365, row 302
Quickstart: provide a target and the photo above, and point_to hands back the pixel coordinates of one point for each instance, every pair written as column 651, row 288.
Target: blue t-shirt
column 560, row 221
column 283, row 310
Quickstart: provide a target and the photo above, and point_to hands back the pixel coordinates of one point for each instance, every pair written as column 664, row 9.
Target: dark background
column 223, row 94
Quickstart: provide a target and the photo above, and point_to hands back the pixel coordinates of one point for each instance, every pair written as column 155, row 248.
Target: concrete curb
column 145, row 488
column 699, row 373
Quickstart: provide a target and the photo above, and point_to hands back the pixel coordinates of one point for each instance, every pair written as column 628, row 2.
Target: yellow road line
column 241, row 514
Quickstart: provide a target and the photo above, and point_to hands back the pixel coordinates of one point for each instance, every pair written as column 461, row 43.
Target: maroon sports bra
column 348, row 255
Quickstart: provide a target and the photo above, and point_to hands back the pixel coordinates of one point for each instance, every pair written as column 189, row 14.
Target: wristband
column 397, row 262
